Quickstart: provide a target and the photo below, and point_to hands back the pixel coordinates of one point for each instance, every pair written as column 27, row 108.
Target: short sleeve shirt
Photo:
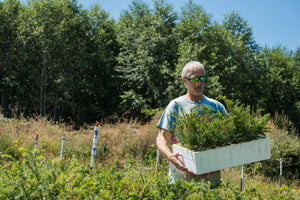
column 167, row 119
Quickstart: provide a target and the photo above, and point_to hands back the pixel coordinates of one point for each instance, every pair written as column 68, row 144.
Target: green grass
column 124, row 166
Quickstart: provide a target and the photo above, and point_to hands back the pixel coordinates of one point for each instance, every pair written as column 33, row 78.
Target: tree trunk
column 43, row 88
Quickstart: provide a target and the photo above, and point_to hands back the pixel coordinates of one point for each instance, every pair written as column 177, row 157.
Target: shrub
column 289, row 145
column 43, row 178
column 213, row 129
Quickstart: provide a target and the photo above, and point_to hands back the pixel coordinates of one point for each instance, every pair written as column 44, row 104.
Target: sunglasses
column 196, row 79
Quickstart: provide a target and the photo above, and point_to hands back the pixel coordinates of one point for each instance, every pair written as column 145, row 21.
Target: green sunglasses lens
column 202, row 78
column 196, row 79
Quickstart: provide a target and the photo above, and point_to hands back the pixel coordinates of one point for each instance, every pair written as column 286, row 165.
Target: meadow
column 125, row 164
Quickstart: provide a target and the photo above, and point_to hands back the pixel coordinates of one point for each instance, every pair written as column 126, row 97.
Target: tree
column 228, row 51
column 40, row 32
column 297, row 57
column 194, row 32
column 98, row 90
column 242, row 70
column 282, row 92
column 9, row 12
column 148, row 53
column 68, row 58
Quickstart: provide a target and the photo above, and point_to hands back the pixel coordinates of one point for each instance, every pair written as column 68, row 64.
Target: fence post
column 242, row 179
column 35, row 146
column 280, row 171
column 94, row 145
column 62, row 148
column 157, row 159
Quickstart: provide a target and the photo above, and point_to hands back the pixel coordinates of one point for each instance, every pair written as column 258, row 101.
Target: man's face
column 195, row 89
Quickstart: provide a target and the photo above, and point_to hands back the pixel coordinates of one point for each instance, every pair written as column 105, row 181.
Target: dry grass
column 127, row 138
column 114, row 140
column 279, row 134
column 265, row 186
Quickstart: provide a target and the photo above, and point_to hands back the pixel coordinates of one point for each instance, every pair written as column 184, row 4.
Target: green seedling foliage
column 43, row 178
column 47, row 177
column 214, row 129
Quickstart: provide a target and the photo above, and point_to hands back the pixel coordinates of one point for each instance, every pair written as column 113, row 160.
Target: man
column 193, row 76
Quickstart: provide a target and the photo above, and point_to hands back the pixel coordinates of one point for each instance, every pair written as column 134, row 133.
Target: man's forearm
column 161, row 144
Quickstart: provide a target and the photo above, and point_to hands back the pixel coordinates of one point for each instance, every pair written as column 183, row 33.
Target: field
column 125, row 165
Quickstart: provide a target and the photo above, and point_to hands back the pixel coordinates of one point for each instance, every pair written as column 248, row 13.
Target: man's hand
column 174, row 158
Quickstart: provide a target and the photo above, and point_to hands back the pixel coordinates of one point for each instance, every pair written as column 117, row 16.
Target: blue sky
column 273, row 22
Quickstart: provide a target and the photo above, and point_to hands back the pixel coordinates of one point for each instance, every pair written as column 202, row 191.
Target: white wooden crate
column 225, row 157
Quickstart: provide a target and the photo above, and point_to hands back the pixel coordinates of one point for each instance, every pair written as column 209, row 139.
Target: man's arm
column 161, row 143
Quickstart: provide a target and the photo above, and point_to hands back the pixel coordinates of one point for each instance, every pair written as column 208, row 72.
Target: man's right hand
column 177, row 162
column 163, row 147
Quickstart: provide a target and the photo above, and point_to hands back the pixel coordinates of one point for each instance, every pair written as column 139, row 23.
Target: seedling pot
column 225, row 157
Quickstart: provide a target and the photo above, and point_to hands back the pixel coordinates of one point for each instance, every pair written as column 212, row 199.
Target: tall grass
column 124, row 168
column 115, row 141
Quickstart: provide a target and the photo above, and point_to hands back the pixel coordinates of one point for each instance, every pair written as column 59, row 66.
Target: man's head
column 193, row 75
column 191, row 65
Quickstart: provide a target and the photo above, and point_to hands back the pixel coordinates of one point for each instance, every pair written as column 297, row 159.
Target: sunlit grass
column 125, row 146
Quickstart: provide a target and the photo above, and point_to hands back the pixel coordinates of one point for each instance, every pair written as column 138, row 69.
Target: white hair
column 191, row 65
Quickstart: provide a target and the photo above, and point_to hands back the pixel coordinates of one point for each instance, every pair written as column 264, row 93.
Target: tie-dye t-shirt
column 175, row 106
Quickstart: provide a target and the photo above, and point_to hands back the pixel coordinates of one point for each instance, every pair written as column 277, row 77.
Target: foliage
column 282, row 80
column 228, row 51
column 215, row 129
column 65, row 57
column 9, row 14
column 145, row 63
column 50, row 179
column 68, row 63
column 127, row 173
column 194, row 29
column 281, row 142
column 290, row 149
